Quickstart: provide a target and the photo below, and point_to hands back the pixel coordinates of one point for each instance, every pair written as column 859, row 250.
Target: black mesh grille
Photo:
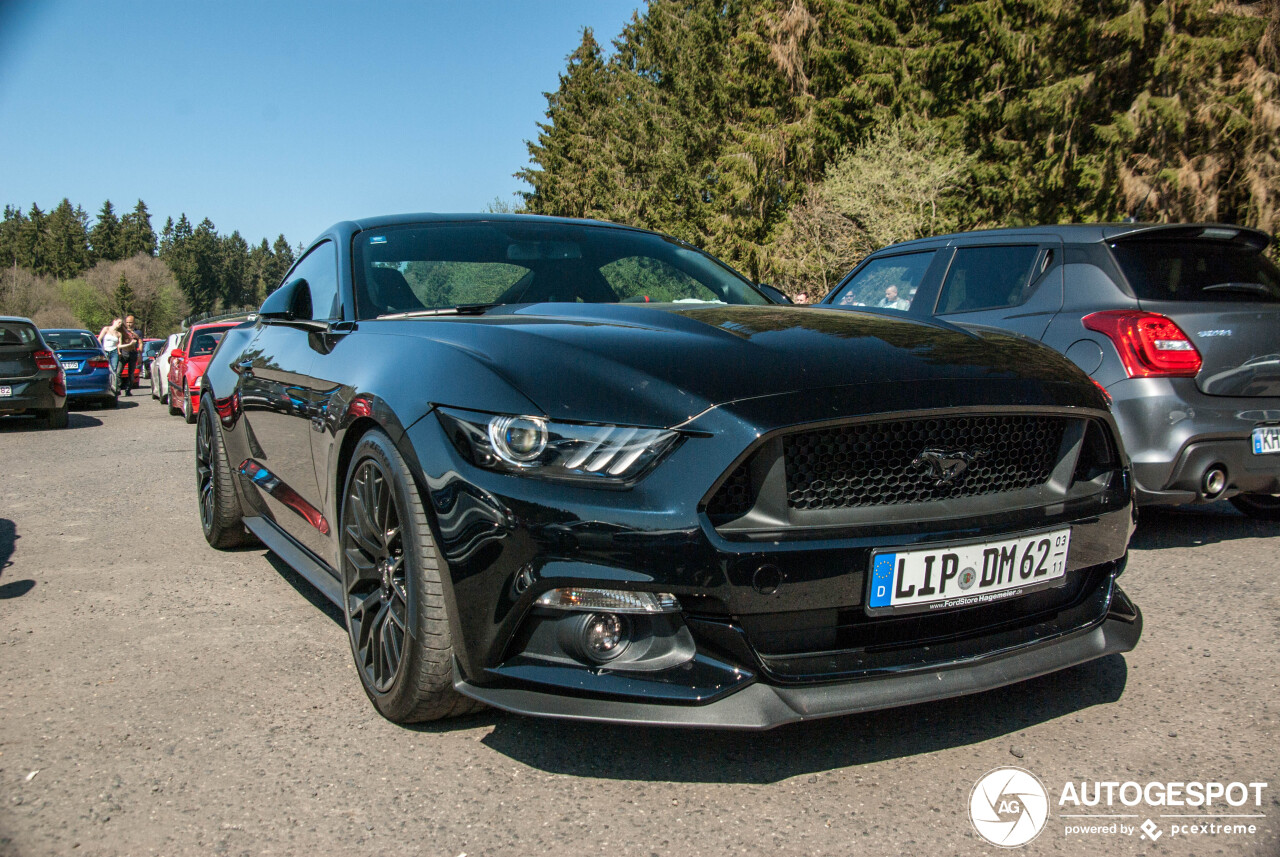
column 883, row 464
column 735, row 496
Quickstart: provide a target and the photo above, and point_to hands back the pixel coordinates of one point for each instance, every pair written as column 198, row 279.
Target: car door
column 279, row 400
column 1009, row 282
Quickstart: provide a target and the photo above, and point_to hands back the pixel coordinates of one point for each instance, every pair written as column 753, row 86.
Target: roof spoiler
column 1255, row 238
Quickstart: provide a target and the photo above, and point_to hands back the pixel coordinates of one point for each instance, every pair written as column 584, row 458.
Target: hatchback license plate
column 910, row 581
column 1266, row 440
column 6, row 392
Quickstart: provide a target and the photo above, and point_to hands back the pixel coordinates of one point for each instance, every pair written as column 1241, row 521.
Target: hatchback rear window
column 16, row 333
column 70, row 339
column 1191, row 270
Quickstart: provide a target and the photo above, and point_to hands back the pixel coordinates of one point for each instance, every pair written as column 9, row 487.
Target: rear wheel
column 188, row 410
column 393, row 597
column 111, row 401
column 56, row 418
column 174, row 409
column 220, row 514
column 1263, row 507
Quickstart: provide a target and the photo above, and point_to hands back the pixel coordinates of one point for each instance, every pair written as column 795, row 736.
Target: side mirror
column 177, row 354
column 778, row 296
column 290, row 305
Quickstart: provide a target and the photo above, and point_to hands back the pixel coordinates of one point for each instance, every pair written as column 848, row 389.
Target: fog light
column 602, row 636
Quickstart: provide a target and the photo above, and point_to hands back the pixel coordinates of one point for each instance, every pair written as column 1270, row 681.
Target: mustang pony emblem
column 945, row 466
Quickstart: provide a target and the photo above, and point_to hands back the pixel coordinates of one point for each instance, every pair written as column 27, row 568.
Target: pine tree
column 105, row 238
column 64, row 246
column 237, row 287
column 136, row 234
column 123, row 298
column 282, row 259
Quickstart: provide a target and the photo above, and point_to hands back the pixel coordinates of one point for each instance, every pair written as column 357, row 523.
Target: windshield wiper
column 460, row 309
column 1254, row 288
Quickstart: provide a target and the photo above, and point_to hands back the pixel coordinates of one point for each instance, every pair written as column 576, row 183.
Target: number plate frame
column 970, row 555
column 1265, row 440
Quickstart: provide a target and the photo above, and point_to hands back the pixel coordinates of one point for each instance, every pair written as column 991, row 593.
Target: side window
column 320, row 269
column 890, row 282
column 642, row 278
column 987, row 277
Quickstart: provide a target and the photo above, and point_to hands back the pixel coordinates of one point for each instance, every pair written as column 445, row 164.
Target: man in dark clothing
column 130, row 346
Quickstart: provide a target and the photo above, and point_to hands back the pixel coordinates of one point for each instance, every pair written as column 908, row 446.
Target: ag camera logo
column 1009, row 807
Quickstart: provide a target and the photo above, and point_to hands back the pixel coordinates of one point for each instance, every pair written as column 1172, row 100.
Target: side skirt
column 298, row 558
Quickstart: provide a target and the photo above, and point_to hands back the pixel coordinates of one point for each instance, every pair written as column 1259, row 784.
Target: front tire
column 1260, row 507
column 220, row 515
column 393, row 596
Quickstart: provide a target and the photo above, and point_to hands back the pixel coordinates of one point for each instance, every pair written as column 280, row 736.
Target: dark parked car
column 579, row 470
column 32, row 381
column 86, row 365
column 1180, row 324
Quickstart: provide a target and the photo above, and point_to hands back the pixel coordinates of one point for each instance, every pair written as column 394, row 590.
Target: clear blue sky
column 271, row 117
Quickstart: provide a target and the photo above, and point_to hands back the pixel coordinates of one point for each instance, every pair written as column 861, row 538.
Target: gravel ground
column 158, row 697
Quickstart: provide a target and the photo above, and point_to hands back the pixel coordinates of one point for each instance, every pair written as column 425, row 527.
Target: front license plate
column 910, row 581
column 6, row 392
column 70, row 364
column 1266, row 440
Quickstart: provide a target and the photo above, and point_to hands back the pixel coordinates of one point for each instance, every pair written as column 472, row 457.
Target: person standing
column 110, row 337
column 130, row 345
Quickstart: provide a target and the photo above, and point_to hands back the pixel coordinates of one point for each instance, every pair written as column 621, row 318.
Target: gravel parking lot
column 158, row 697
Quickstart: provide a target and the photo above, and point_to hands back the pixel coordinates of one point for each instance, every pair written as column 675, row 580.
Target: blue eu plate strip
column 882, row 579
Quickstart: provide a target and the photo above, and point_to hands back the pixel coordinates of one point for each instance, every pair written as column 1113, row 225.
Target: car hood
column 663, row 364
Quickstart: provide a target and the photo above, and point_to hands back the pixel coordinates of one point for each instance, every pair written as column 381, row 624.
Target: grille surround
column 872, row 464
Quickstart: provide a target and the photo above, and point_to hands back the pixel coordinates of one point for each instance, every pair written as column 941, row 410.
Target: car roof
column 65, row 330
column 1086, row 233
column 225, row 323
column 472, row 217
column 17, row 318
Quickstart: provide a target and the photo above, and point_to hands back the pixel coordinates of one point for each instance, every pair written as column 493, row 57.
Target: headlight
column 533, row 446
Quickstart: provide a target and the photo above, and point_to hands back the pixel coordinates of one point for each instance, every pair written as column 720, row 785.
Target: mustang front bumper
column 757, row 705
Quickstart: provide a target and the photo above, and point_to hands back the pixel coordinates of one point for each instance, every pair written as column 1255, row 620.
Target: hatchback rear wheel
column 393, row 596
column 1263, row 507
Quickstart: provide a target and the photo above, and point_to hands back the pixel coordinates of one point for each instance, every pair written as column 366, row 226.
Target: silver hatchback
column 1180, row 324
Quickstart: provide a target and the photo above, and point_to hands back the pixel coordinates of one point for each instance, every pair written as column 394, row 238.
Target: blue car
column 88, row 370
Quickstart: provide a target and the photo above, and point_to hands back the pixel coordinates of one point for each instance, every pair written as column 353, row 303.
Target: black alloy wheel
column 1261, row 507
column 220, row 515
column 392, row 591
column 377, row 597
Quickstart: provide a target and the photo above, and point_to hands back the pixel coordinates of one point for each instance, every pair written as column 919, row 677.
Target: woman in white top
column 110, row 337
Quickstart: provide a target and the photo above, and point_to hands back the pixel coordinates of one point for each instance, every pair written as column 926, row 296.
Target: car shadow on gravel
column 1192, row 526
column 75, row 420
column 304, row 588
column 708, row 756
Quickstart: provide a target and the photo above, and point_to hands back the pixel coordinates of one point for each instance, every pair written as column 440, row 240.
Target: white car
column 160, row 368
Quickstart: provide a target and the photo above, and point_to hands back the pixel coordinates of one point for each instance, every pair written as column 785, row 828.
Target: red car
column 187, row 365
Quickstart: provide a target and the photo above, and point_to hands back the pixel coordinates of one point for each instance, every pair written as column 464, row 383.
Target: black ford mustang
column 574, row 469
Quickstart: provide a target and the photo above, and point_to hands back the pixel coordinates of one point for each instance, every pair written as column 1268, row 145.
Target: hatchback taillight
column 99, row 363
column 1150, row 345
column 45, row 359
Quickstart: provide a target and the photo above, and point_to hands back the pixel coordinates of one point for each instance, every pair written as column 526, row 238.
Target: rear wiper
column 1255, row 288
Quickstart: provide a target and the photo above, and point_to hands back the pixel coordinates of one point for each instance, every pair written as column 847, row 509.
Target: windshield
column 204, row 342
column 1191, row 270
column 60, row 339
column 421, row 267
